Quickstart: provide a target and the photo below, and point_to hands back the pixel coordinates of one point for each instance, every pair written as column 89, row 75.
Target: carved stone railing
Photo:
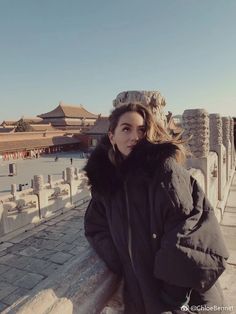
column 216, row 145
column 24, row 209
column 227, row 143
column 232, row 143
column 196, row 133
column 209, row 139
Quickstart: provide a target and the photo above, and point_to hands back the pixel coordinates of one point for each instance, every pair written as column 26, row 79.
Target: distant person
column 149, row 220
column 71, row 161
column 56, row 158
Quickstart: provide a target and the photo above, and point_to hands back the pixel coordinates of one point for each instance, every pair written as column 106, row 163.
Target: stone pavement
column 228, row 227
column 45, row 165
column 31, row 257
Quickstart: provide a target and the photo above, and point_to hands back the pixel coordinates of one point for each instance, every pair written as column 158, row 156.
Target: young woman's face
column 130, row 129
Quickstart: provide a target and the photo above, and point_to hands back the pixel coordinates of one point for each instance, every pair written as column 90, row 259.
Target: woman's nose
column 135, row 136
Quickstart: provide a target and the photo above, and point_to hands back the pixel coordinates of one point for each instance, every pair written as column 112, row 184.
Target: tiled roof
column 42, row 127
column 25, row 119
column 9, row 122
column 68, row 111
column 7, row 129
column 100, row 126
column 32, row 120
column 36, row 143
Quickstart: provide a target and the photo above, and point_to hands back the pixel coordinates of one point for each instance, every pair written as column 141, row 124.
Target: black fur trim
column 104, row 177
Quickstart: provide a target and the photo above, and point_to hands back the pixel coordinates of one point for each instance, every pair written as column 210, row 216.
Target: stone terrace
column 34, row 260
column 31, row 257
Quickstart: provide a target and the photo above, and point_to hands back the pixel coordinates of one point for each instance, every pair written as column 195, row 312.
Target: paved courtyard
column 31, row 257
column 44, row 165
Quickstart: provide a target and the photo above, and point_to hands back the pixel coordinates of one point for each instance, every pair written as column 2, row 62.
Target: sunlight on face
column 130, row 129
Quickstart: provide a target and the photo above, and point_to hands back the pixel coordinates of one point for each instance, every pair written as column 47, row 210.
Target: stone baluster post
column 38, row 187
column 227, row 144
column 232, row 143
column 70, row 175
column 38, row 183
column 217, row 146
column 64, row 175
column 76, row 173
column 14, row 191
column 50, row 180
column 196, row 131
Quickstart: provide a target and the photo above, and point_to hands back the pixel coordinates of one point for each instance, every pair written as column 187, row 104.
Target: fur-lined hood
column 105, row 177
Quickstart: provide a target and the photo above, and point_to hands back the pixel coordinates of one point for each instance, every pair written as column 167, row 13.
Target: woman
column 149, row 220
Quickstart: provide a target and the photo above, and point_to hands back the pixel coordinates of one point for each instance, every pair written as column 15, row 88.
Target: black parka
column 150, row 222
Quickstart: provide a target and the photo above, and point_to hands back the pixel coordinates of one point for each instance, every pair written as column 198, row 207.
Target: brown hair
column 154, row 132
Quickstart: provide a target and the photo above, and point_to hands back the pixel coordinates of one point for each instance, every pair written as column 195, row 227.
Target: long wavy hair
column 154, row 131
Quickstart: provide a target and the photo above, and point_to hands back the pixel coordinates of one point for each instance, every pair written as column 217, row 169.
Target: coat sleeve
column 98, row 234
column 192, row 252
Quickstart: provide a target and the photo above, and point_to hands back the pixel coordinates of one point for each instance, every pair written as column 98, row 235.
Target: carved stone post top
column 226, row 130
column 63, row 175
column 232, row 130
column 151, row 99
column 13, row 189
column 70, row 173
column 215, row 116
column 147, row 98
column 215, row 130
column 38, row 178
column 226, row 118
column 196, row 130
column 195, row 113
column 38, row 182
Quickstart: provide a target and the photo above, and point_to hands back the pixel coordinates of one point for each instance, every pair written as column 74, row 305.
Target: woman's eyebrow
column 125, row 123
column 128, row 124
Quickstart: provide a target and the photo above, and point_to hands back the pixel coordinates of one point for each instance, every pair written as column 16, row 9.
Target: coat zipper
column 129, row 227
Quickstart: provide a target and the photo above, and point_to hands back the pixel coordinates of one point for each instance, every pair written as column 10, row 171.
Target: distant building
column 58, row 130
column 32, row 144
column 30, row 120
column 42, row 127
column 96, row 132
column 69, row 117
column 7, row 129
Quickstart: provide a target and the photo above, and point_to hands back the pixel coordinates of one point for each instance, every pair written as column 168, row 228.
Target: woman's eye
column 142, row 131
column 125, row 129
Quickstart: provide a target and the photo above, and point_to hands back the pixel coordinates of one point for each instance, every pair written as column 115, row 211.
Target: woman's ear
column 111, row 138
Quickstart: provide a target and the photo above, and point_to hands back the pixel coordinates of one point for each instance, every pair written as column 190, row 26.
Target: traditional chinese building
column 96, row 132
column 29, row 120
column 69, row 117
column 32, row 144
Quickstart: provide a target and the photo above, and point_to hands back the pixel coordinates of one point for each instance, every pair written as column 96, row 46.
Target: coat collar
column 104, row 177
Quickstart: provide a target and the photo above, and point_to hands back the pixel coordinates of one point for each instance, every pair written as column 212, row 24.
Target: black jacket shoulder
column 104, row 176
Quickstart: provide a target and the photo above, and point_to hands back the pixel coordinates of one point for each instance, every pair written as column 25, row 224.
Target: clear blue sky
column 86, row 52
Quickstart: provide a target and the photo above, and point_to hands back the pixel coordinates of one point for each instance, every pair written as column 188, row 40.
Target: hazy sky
column 86, row 52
